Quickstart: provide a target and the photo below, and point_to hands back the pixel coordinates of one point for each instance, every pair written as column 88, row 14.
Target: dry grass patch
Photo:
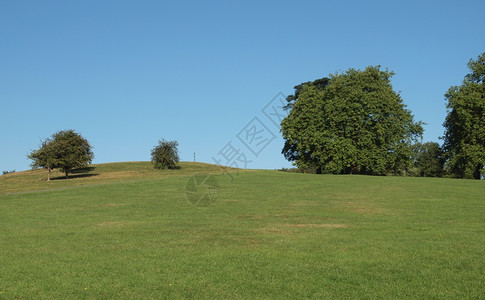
column 274, row 230
column 287, row 228
column 315, row 225
column 117, row 224
column 360, row 207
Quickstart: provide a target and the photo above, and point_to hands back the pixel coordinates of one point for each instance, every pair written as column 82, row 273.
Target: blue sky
column 126, row 73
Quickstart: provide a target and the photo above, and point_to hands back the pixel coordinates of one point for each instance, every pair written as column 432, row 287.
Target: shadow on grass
column 73, row 176
column 83, row 170
column 169, row 169
column 78, row 173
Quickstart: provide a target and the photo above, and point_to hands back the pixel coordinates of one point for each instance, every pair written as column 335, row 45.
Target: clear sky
column 126, row 73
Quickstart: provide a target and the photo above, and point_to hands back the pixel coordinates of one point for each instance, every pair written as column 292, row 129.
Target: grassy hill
column 35, row 180
column 126, row 230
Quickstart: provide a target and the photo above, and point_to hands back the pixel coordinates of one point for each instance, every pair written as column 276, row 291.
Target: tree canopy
column 349, row 123
column 44, row 157
column 165, row 155
column 464, row 139
column 65, row 149
column 428, row 160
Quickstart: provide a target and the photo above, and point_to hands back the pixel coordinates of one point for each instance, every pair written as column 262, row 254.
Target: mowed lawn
column 269, row 235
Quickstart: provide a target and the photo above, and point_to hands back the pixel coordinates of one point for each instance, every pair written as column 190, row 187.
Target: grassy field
column 126, row 230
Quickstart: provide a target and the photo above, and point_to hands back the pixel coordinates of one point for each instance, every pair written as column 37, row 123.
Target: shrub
column 165, row 155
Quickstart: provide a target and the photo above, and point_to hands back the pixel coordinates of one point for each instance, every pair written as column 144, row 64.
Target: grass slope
column 35, row 180
column 269, row 235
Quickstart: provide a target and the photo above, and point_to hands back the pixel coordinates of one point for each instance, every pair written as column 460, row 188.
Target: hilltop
column 35, row 180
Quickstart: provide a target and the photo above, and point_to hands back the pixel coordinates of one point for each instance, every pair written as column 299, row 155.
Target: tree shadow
column 83, row 170
column 169, row 169
column 78, row 173
column 73, row 176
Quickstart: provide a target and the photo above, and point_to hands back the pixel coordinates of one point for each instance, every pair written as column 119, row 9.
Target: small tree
column 428, row 160
column 44, row 157
column 71, row 150
column 66, row 149
column 165, row 155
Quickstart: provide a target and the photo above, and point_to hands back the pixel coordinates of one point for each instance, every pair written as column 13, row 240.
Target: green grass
column 269, row 235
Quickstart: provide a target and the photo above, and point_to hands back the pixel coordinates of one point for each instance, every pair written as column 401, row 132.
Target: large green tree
column 65, row 149
column 465, row 123
column 350, row 123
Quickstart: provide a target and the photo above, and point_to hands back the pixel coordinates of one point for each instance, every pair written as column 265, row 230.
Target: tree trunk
column 49, row 174
column 67, row 174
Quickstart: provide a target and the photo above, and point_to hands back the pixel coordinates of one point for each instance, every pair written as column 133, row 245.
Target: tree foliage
column 44, row 157
column 429, row 160
column 72, row 151
column 350, row 123
column 165, row 154
column 464, row 139
column 65, row 149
